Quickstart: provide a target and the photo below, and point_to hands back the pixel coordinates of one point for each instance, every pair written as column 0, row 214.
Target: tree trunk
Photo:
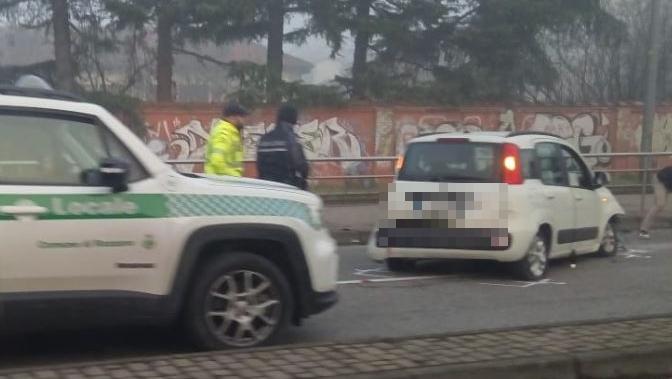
column 276, row 31
column 65, row 77
column 362, row 38
column 164, row 59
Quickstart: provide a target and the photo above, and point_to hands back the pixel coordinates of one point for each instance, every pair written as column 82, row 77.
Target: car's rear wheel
column 239, row 300
column 609, row 243
column 534, row 265
column 400, row 264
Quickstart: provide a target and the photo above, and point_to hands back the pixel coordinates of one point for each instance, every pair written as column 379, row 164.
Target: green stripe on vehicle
column 139, row 206
column 85, row 207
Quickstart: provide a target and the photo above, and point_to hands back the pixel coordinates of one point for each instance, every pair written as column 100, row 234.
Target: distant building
column 195, row 79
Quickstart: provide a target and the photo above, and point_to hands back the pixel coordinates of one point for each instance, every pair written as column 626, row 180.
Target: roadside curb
column 626, row 363
column 630, row 348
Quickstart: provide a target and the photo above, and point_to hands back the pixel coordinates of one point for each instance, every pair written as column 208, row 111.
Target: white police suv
column 95, row 229
column 520, row 198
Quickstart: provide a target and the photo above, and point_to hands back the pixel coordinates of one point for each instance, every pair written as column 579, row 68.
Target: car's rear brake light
column 452, row 140
column 512, row 172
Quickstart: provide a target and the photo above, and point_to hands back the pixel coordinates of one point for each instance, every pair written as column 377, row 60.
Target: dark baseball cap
column 235, row 109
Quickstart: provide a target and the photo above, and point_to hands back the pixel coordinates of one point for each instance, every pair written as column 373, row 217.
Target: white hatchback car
column 518, row 198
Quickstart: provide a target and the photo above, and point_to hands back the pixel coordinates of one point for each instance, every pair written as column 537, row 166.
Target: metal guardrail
column 643, row 172
column 392, row 159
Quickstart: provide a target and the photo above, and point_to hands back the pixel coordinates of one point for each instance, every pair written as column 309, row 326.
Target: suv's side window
column 550, row 169
column 577, row 174
column 55, row 149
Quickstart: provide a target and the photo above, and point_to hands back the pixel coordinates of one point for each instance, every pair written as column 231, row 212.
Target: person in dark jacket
column 662, row 186
column 280, row 156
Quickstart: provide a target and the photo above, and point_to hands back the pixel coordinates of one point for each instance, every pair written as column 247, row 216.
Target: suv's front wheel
column 238, row 300
column 535, row 263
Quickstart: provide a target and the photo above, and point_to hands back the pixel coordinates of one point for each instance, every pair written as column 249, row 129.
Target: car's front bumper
column 322, row 259
column 320, row 302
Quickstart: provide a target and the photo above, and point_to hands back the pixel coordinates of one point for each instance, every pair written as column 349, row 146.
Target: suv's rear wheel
column 534, row 265
column 238, row 300
column 609, row 244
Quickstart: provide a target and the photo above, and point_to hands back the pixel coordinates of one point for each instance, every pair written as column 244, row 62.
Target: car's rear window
column 451, row 162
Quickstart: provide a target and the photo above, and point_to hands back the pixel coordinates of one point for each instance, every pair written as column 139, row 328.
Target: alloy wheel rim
column 609, row 239
column 537, row 257
column 243, row 308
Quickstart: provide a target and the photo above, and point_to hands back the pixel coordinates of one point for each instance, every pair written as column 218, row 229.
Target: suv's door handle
column 549, row 195
column 578, row 198
column 23, row 210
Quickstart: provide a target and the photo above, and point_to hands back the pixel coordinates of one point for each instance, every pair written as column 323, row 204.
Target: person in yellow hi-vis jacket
column 224, row 152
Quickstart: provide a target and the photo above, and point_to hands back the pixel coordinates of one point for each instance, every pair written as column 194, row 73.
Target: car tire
column 238, row 300
column 609, row 244
column 400, row 264
column 534, row 265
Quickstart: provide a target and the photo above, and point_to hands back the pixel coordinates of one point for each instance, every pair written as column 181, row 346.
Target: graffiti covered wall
column 586, row 129
column 180, row 131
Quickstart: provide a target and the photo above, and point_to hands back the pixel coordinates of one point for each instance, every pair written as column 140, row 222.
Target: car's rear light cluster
column 512, row 172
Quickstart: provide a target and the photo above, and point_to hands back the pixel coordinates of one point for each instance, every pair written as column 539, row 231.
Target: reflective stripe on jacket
column 224, row 152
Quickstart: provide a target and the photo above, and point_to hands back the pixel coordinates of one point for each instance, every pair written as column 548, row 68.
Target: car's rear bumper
column 449, row 243
column 444, row 238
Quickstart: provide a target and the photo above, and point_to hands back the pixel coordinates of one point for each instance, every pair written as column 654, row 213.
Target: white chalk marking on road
column 631, row 255
column 635, row 254
column 379, row 272
column 386, row 280
column 524, row 284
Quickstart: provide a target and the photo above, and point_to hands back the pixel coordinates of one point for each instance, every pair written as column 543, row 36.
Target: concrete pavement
column 614, row 349
column 352, row 223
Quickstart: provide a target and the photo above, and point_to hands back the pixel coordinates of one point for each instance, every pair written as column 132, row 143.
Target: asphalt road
column 439, row 297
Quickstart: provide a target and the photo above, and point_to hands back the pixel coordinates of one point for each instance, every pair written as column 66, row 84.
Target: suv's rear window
column 451, row 162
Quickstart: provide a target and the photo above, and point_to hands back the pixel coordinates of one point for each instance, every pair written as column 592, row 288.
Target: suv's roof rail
column 37, row 92
column 532, row 133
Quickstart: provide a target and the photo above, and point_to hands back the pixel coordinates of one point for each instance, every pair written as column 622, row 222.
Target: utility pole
column 650, row 93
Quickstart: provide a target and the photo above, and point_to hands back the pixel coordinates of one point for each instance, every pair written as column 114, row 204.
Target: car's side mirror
column 114, row 174
column 601, row 179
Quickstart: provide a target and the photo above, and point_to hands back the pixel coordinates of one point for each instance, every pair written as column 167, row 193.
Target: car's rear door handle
column 549, row 195
column 23, row 210
column 578, row 198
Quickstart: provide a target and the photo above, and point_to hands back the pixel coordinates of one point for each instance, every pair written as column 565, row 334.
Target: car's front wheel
column 534, row 265
column 238, row 300
column 609, row 243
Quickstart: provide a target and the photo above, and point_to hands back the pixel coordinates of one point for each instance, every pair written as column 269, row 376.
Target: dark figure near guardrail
column 280, row 157
column 662, row 186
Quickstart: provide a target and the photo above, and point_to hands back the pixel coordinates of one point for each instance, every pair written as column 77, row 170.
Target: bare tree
column 607, row 64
